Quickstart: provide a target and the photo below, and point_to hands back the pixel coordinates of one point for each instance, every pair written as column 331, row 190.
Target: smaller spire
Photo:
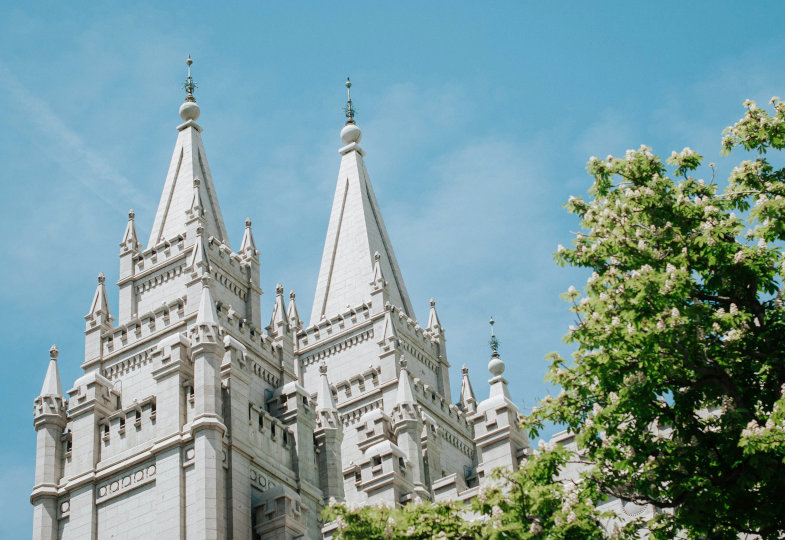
column 197, row 208
column 468, row 401
column 189, row 110
column 405, row 393
column 278, row 322
column 349, row 110
column 99, row 307
column 292, row 313
column 248, row 246
column 130, row 241
column 51, row 386
column 433, row 319
column 324, row 399
column 378, row 281
column 199, row 258
column 206, row 316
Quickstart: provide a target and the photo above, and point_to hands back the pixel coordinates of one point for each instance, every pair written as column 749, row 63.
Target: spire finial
column 349, row 110
column 189, row 84
column 53, row 352
column 189, row 110
column 494, row 343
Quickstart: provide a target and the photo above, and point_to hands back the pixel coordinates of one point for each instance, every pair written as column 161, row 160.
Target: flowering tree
column 531, row 503
column 676, row 389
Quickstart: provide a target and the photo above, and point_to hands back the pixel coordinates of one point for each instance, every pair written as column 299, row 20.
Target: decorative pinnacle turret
column 494, row 343
column 189, row 84
column 349, row 110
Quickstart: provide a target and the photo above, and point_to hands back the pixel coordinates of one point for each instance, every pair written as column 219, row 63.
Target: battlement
column 327, row 329
column 126, row 429
column 143, row 327
column 269, row 437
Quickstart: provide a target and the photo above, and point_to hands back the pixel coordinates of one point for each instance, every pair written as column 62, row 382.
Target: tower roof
column 189, row 163
column 355, row 232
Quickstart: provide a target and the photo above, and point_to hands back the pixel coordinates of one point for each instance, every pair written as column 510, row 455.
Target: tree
column 675, row 392
column 531, row 503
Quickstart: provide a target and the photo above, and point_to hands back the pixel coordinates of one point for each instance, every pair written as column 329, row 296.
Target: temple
column 195, row 417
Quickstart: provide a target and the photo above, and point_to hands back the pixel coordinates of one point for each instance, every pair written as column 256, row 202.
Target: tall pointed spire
column 130, row 241
column 189, row 162
column 99, row 307
column 355, row 232
column 52, row 386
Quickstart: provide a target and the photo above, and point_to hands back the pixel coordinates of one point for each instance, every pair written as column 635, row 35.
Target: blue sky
column 477, row 120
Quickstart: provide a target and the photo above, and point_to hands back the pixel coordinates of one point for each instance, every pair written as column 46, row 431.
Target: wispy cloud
column 67, row 148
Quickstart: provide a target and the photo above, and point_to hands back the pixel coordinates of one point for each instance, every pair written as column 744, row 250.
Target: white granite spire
column 279, row 320
column 434, row 325
column 292, row 313
column 355, row 232
column 99, row 307
column 206, row 316
column 324, row 398
column 130, row 241
column 189, row 163
column 404, row 393
column 52, row 386
column 248, row 246
column 468, row 401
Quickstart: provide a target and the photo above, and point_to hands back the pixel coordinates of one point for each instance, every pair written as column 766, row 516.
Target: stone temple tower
column 193, row 419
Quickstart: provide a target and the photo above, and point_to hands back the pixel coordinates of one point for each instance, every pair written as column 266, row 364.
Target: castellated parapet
column 195, row 419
